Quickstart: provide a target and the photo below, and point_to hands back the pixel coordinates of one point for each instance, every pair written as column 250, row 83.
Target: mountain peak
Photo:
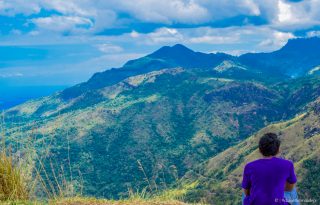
column 179, row 46
column 170, row 50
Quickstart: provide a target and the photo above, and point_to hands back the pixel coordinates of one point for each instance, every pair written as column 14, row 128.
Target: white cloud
column 162, row 36
column 224, row 9
column 13, row 7
column 313, row 34
column 62, row 23
column 201, row 35
column 165, row 11
column 208, row 35
column 281, row 14
column 109, row 48
column 212, row 39
column 239, row 39
column 277, row 39
column 291, row 16
column 236, row 39
column 11, row 75
column 104, row 19
column 69, row 7
column 285, row 13
column 134, row 34
column 234, row 52
column 282, row 37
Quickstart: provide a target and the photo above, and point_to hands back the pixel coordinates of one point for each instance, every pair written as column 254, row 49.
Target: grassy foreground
column 16, row 189
column 93, row 201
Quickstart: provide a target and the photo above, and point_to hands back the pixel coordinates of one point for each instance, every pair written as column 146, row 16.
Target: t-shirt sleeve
column 246, row 182
column 292, row 179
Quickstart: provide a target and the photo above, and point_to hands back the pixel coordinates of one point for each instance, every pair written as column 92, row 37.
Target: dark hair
column 269, row 144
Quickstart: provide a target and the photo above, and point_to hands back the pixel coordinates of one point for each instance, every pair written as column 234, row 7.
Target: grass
column 16, row 190
column 17, row 186
column 95, row 201
column 12, row 182
column 134, row 201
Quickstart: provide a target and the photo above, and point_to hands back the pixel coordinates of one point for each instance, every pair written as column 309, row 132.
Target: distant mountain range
column 295, row 59
column 161, row 116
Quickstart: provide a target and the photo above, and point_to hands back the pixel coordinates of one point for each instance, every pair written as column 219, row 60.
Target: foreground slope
column 220, row 177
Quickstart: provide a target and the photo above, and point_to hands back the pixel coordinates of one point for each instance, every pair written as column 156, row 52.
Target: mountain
column 166, row 57
column 295, row 59
column 168, row 120
column 150, row 122
column 182, row 56
column 219, row 178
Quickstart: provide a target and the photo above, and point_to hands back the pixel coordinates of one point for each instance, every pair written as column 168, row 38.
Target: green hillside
column 146, row 125
column 164, row 122
column 219, row 179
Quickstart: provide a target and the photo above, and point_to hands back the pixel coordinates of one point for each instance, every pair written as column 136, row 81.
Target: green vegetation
column 220, row 177
column 17, row 187
column 183, row 130
column 309, row 186
column 12, row 181
column 168, row 121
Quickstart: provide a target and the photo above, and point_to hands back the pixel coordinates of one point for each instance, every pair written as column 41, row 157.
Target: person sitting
column 269, row 180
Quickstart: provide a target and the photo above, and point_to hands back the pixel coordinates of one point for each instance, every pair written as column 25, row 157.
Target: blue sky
column 59, row 42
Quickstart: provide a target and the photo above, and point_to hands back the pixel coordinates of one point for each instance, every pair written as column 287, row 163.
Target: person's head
column 269, row 144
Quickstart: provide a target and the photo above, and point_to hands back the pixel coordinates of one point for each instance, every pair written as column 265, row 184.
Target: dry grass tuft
column 12, row 183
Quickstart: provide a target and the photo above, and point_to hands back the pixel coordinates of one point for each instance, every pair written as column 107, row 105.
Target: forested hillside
column 220, row 177
column 150, row 122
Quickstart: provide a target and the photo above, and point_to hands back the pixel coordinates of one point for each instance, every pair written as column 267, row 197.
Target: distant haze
column 14, row 95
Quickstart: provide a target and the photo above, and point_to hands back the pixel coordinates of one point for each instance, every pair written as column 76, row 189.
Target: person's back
column 265, row 180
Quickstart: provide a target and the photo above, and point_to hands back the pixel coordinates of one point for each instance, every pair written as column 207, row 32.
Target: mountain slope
column 295, row 59
column 166, row 57
column 165, row 121
column 148, row 123
column 219, row 178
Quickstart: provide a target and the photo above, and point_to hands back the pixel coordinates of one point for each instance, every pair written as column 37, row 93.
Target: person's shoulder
column 252, row 163
column 284, row 161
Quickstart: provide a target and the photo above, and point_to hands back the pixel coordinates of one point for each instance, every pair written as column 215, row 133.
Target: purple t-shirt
column 266, row 179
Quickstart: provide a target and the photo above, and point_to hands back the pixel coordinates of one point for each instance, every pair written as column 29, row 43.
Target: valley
column 174, row 118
